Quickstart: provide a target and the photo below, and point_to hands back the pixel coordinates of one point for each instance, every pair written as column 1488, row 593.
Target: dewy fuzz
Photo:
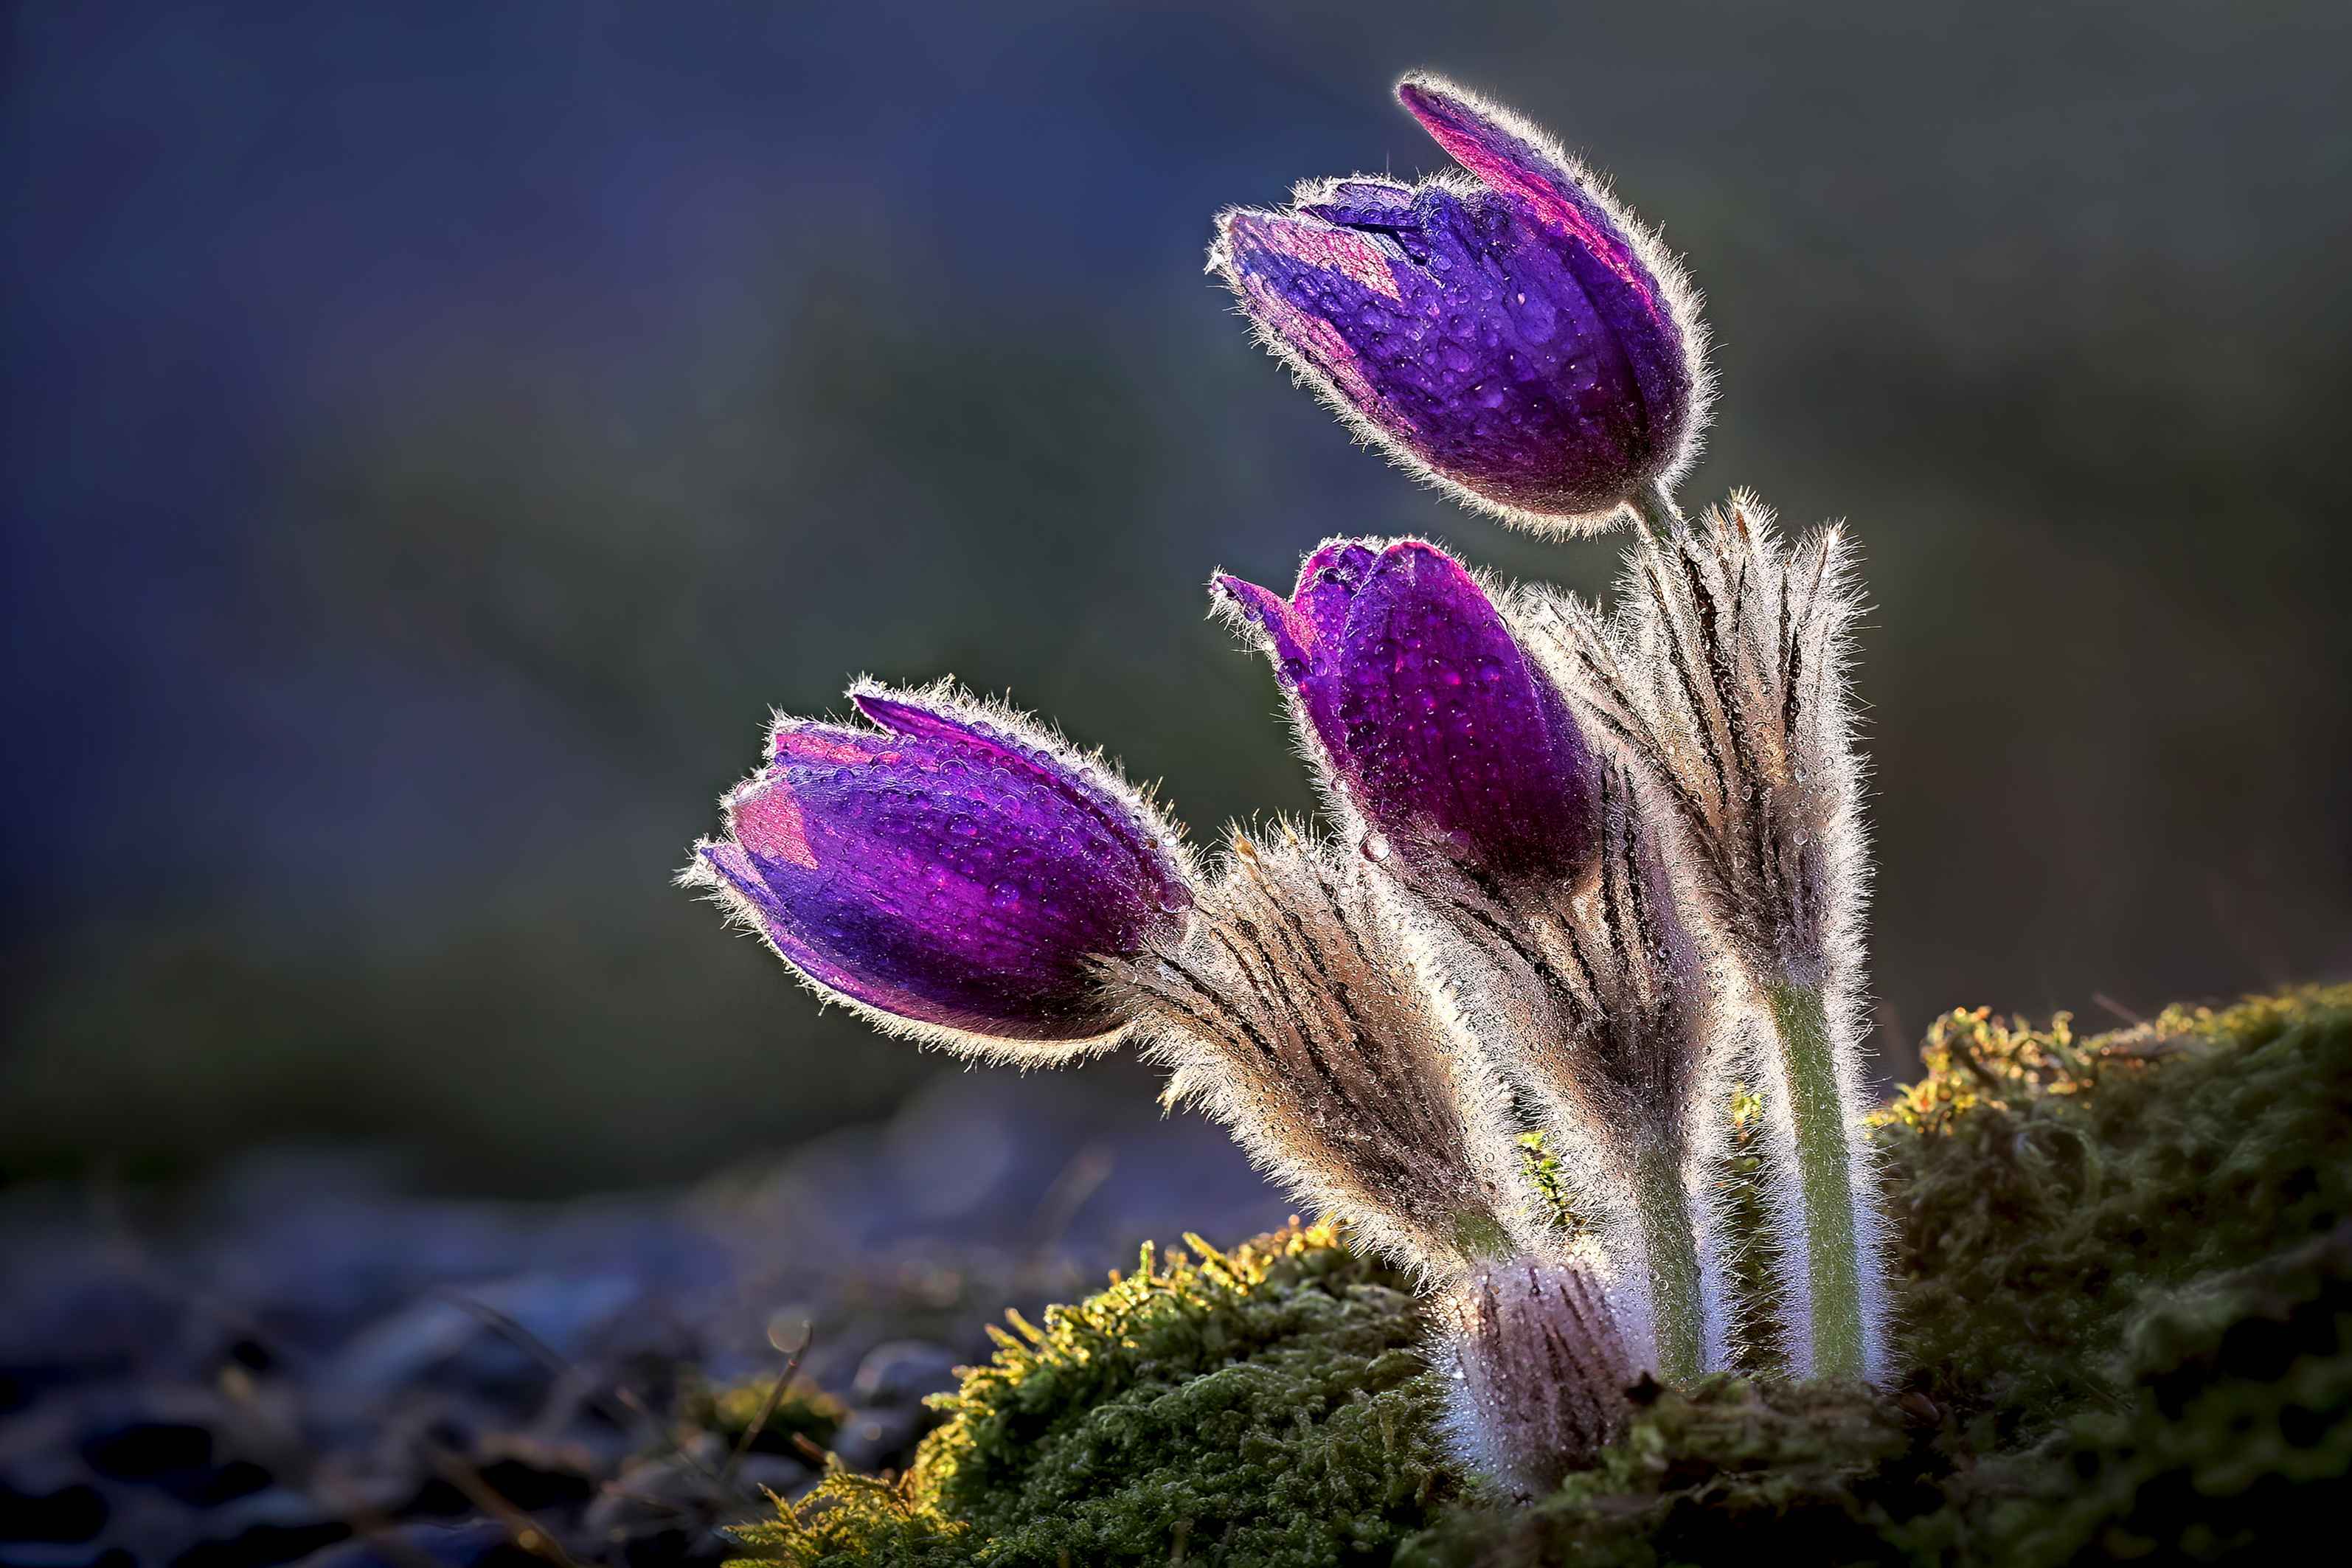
column 1295, row 1012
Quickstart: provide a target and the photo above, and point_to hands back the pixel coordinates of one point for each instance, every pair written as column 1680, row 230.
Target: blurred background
column 437, row 435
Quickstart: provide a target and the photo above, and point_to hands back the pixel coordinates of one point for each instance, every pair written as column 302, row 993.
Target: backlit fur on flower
column 1722, row 677
column 1598, row 1003
column 1296, row 1012
column 1536, row 1371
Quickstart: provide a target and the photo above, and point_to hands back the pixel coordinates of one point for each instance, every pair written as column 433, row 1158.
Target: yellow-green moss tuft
column 2047, row 1184
column 1266, row 1405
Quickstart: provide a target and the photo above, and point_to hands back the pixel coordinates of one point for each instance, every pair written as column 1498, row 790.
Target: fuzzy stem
column 1653, row 509
column 1825, row 1175
column 1482, row 1238
column 1672, row 1249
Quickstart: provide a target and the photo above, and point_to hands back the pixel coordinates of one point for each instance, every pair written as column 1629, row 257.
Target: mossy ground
column 2127, row 1303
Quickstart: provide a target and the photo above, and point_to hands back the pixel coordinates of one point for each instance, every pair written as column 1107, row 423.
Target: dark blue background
column 437, row 432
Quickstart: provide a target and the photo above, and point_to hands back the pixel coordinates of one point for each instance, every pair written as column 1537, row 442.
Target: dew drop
column 1375, row 847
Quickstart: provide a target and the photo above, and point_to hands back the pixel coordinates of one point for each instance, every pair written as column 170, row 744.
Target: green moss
column 1734, row 1469
column 761, row 1418
column 2125, row 1301
column 1269, row 1405
column 2236, row 1430
column 2047, row 1186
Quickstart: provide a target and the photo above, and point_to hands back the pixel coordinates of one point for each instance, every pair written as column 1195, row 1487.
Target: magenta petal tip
column 1519, row 338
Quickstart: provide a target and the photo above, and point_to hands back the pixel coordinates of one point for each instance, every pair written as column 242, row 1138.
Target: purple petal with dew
column 1507, row 162
column 1460, row 741
column 1069, row 778
column 1303, row 633
column 1359, row 203
column 1327, row 584
column 1431, row 717
column 946, row 873
column 1295, row 276
column 1623, row 289
column 740, row 870
column 1512, row 337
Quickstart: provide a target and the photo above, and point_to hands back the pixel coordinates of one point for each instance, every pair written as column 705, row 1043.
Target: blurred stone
column 901, row 1371
column 481, row 1544
column 445, row 1341
column 878, row 1438
column 301, row 1347
column 68, row 1513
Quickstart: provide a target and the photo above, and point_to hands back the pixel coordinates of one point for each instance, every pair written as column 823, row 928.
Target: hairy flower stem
column 1825, row 1175
column 1671, row 1249
column 1482, row 1238
column 1653, row 509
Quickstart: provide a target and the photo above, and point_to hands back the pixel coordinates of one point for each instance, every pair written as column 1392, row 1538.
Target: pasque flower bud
column 1478, row 793
column 1516, row 336
column 1537, row 1370
column 1434, row 727
column 954, row 873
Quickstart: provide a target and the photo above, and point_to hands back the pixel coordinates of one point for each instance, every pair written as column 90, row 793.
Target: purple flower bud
column 954, row 873
column 1434, row 725
column 1519, row 336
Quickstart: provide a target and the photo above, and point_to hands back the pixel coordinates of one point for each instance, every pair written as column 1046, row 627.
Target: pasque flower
column 1437, row 730
column 1478, row 794
column 954, row 872
column 1516, row 335
column 1588, row 864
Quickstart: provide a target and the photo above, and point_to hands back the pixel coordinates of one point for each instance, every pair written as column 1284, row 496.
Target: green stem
column 1825, row 1175
column 1653, row 509
column 1481, row 1238
column 1672, row 1249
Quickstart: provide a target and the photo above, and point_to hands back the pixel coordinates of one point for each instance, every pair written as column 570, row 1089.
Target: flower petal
column 1457, row 741
column 1429, row 716
column 1628, row 290
column 952, row 871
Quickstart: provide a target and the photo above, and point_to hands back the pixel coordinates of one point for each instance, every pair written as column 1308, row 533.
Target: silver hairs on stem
column 1295, row 1011
column 1722, row 680
column 1537, row 1370
column 1606, row 1023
